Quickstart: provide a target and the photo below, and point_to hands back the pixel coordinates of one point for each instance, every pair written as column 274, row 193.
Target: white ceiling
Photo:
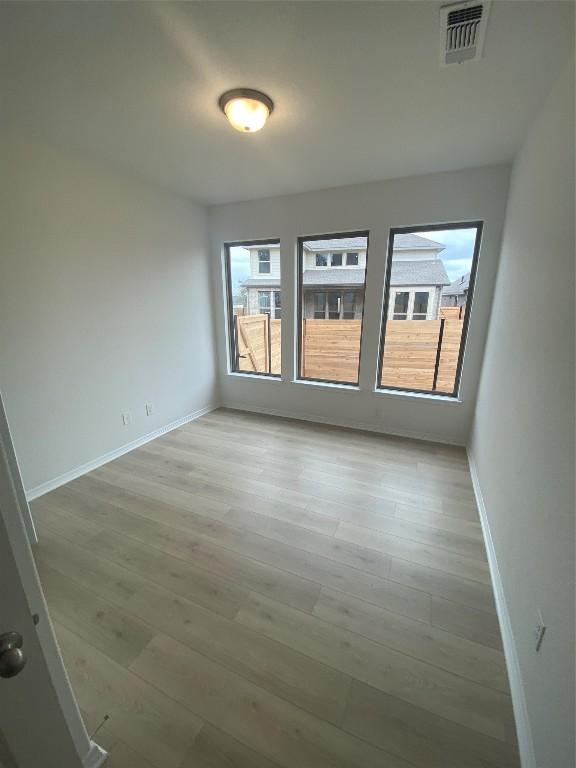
column 358, row 88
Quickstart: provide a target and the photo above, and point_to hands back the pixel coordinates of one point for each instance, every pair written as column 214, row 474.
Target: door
column 40, row 723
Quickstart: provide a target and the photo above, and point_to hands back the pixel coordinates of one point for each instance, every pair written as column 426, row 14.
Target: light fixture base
column 245, row 93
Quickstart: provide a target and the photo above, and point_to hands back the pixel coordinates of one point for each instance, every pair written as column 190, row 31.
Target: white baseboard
column 67, row 477
column 96, row 756
column 523, row 730
column 337, row 422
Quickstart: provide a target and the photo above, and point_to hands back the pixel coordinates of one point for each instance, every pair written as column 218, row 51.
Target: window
column 277, row 305
column 319, row 306
column 254, row 306
column 264, row 301
column 420, row 305
column 401, row 305
column 321, row 260
column 330, row 311
column 351, row 259
column 264, row 262
column 425, row 319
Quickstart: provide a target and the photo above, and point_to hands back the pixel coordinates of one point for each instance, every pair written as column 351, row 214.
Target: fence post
column 303, row 350
column 438, row 353
column 269, row 343
column 236, row 345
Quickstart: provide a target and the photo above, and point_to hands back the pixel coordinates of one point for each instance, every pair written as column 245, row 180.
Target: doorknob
column 12, row 659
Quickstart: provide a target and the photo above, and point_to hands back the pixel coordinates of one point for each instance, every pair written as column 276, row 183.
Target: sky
column 457, row 256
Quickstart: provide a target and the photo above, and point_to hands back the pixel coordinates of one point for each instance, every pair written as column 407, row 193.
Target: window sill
column 444, row 399
column 259, row 376
column 328, row 385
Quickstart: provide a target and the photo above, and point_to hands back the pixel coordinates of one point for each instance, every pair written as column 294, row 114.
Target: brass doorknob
column 12, row 659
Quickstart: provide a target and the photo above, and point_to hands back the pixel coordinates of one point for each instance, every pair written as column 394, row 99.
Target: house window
column 330, row 351
column 319, row 306
column 420, row 305
column 321, row 260
column 426, row 356
column 264, row 302
column 401, row 305
column 253, row 307
column 351, row 259
column 264, row 261
column 277, row 305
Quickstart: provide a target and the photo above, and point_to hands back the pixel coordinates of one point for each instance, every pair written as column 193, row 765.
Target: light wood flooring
column 254, row 592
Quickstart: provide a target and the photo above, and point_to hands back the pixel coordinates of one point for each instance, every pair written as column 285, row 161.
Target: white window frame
column 411, row 297
column 261, row 261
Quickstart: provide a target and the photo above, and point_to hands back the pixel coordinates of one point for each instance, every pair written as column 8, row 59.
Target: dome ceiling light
column 246, row 109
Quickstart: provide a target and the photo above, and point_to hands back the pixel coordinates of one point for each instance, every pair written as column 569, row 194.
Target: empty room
column 287, row 362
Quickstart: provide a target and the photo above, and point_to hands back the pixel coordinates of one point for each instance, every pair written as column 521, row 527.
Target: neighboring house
column 334, row 276
column 456, row 294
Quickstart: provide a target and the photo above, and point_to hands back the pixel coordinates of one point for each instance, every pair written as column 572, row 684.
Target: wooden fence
column 452, row 313
column 259, row 343
column 331, row 349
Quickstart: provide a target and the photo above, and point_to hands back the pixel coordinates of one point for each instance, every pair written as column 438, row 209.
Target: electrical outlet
column 539, row 632
column 149, row 409
column 126, row 418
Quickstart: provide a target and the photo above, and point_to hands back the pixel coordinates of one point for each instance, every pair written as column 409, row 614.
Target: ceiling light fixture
column 246, row 109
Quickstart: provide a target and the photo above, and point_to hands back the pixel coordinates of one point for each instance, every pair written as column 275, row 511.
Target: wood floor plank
column 424, row 739
column 117, row 634
column 141, row 715
column 264, row 723
column 421, row 554
column 254, row 591
column 214, row 749
column 191, row 541
column 464, row 621
column 435, row 646
column 291, row 675
column 429, row 687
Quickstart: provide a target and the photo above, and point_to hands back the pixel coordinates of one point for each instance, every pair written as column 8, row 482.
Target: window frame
column 300, row 304
column 233, row 356
column 262, row 261
column 478, row 225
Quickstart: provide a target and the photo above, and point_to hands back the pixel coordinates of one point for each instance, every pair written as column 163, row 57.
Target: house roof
column 401, row 242
column 458, row 287
column 425, row 272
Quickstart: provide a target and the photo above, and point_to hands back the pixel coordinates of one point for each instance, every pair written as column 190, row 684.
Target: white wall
column 523, row 437
column 104, row 306
column 465, row 195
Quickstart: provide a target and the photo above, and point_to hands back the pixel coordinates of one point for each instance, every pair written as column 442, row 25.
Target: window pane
column 434, row 270
column 420, row 303
column 321, row 260
column 264, row 300
column 277, row 305
column 401, row 303
column 330, row 306
column 333, row 306
column 253, row 272
column 348, row 302
column 352, row 259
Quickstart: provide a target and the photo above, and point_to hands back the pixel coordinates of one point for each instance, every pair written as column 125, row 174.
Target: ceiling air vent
column 462, row 31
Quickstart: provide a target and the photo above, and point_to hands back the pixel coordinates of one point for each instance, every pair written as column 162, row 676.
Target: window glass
column 264, row 262
column 420, row 308
column 348, row 302
column 319, row 306
column 254, row 325
column 427, row 305
column 277, row 305
column 401, row 305
column 321, row 260
column 331, row 307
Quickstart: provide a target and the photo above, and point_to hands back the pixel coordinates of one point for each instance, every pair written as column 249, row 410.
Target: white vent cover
column 462, row 31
